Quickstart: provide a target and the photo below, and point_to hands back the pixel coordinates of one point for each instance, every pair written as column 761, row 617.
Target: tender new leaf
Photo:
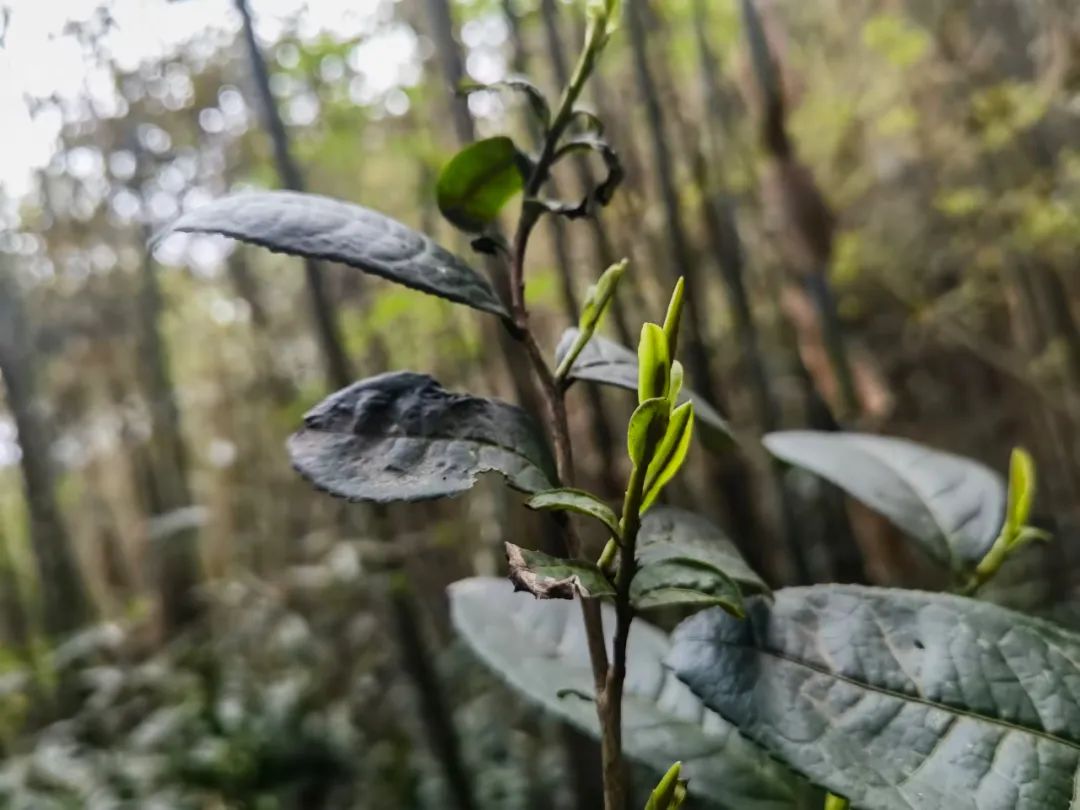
column 606, row 362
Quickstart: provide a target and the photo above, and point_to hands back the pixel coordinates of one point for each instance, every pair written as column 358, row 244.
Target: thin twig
column 607, row 680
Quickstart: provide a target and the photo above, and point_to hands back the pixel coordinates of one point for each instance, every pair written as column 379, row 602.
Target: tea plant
column 887, row 698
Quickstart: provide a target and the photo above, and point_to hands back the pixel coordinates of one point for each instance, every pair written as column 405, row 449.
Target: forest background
column 183, row 622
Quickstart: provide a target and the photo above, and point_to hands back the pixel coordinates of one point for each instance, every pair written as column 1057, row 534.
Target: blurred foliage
column 942, row 136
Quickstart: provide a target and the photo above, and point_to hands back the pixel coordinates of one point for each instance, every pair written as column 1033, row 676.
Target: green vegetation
column 743, row 520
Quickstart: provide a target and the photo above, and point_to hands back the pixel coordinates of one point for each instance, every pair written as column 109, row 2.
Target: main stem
column 607, row 680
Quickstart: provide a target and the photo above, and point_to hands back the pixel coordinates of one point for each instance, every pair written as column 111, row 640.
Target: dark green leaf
column 587, row 121
column 539, row 648
column 684, row 582
column 537, row 103
column 478, row 181
column 402, row 437
column 321, row 228
column 579, row 501
column 603, row 192
column 898, row 699
column 668, row 533
column 952, row 506
column 604, row 361
column 547, row 577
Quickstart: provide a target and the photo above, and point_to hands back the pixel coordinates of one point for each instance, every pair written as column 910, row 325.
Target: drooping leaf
column 587, row 122
column 539, row 649
column 579, row 501
column 952, row 506
column 897, row 699
column 478, row 181
column 323, row 228
column 606, row 362
column 547, row 577
column 648, row 423
column 684, row 582
column 402, row 437
column 654, row 363
column 668, row 533
column 537, row 103
column 670, row 454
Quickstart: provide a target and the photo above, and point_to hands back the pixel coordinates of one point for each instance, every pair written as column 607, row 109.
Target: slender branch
column 607, row 680
column 608, row 677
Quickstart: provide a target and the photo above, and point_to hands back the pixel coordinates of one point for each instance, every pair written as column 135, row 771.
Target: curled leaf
column 588, row 121
column 601, row 194
column 547, row 577
column 537, row 103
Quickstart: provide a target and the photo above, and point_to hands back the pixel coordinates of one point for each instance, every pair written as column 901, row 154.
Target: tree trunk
column 16, row 623
column 336, row 362
column 65, row 601
column 173, row 527
column 731, row 474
